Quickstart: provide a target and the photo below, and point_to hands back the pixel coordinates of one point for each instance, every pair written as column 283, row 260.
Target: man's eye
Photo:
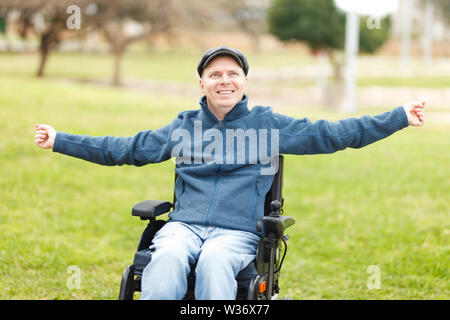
column 214, row 75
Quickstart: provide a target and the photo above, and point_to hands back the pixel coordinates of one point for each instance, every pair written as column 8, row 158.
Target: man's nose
column 225, row 79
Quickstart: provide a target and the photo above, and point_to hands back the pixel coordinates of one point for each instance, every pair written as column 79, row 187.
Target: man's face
column 224, row 84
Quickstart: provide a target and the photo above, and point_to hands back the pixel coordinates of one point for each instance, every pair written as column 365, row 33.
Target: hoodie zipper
column 219, row 166
column 216, row 182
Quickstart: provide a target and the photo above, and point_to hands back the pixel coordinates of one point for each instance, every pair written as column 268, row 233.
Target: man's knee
column 225, row 256
column 165, row 276
column 215, row 276
column 170, row 256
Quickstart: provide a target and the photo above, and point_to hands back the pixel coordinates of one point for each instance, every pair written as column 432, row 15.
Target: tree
column 2, row 23
column 321, row 25
column 444, row 9
column 112, row 17
column 54, row 16
column 317, row 23
column 371, row 38
column 248, row 15
column 146, row 17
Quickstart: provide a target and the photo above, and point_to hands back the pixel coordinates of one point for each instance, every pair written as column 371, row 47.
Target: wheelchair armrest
column 150, row 209
column 273, row 227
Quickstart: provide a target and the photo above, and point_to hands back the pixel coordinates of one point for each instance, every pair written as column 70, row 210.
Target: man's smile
column 225, row 92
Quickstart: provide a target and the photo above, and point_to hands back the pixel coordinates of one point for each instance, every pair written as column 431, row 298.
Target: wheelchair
column 257, row 281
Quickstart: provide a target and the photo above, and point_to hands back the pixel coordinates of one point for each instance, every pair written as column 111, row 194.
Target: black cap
column 213, row 53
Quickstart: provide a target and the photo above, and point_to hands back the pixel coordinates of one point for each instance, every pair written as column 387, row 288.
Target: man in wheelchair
column 227, row 202
column 255, row 278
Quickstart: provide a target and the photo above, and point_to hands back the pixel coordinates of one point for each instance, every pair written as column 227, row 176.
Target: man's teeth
column 225, row 92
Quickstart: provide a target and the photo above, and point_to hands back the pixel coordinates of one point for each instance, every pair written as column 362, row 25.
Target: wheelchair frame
column 258, row 281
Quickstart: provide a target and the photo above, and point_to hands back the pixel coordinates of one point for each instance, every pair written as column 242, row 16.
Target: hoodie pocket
column 263, row 184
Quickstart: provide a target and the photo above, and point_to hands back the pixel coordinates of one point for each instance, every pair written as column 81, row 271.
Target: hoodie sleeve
column 301, row 136
column 150, row 146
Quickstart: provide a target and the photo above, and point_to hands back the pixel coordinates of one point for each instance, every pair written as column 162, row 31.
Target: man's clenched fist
column 45, row 136
column 414, row 111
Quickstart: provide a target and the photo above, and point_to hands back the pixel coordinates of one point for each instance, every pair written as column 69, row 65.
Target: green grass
column 99, row 67
column 384, row 205
column 179, row 66
column 138, row 63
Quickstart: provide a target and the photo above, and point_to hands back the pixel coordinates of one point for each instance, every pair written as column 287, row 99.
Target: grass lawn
column 140, row 64
column 384, row 205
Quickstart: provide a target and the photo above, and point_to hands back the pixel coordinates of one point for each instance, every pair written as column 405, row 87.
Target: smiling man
column 223, row 79
column 219, row 202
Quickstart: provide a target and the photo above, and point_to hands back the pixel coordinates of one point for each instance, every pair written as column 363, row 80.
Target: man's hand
column 45, row 136
column 414, row 111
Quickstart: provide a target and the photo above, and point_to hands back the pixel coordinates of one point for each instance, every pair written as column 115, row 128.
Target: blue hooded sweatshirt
column 223, row 167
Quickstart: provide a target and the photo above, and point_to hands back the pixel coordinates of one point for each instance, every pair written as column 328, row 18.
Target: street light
column 351, row 58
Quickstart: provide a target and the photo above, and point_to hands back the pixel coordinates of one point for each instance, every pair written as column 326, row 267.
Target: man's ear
column 202, row 87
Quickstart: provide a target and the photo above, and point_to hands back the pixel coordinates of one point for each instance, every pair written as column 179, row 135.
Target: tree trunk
column 44, row 49
column 337, row 64
column 24, row 26
column 43, row 59
column 118, row 53
column 334, row 93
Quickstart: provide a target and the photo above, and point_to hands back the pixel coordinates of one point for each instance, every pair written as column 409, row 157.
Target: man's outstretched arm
column 150, row 146
column 301, row 136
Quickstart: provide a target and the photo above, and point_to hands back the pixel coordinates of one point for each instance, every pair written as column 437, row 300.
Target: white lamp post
column 351, row 57
column 428, row 32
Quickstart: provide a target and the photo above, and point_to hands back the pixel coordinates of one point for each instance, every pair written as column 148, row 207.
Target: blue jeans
column 221, row 254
